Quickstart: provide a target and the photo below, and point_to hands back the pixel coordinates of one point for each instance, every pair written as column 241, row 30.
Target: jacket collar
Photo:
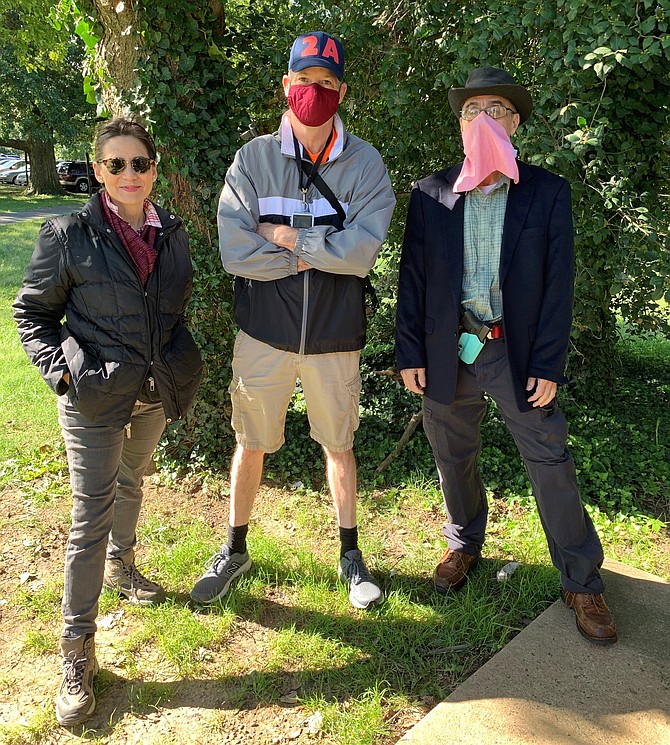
column 286, row 137
column 91, row 214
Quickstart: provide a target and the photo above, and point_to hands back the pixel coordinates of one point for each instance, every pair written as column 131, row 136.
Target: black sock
column 348, row 540
column 237, row 538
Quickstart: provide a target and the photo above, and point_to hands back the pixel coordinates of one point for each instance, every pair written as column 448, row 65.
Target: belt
column 496, row 331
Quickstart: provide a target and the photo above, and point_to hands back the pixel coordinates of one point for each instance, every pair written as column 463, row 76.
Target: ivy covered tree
column 199, row 73
column 600, row 84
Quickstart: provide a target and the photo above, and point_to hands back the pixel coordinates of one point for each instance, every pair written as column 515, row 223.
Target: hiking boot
column 452, row 571
column 216, row 581
column 364, row 592
column 594, row 620
column 76, row 701
column 129, row 582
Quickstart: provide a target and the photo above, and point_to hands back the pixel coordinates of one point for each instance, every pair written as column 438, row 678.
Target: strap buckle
column 496, row 331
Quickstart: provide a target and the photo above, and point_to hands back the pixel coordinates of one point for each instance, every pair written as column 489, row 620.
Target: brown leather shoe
column 451, row 572
column 594, row 620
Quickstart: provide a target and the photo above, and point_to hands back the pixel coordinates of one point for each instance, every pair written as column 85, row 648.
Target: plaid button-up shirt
column 484, row 216
column 150, row 214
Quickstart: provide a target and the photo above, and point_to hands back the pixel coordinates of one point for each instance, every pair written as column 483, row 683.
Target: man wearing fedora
column 485, row 307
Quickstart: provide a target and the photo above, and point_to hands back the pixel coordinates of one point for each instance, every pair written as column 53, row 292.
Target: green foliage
column 44, row 103
column 38, row 45
column 38, row 642
column 598, row 76
column 202, row 74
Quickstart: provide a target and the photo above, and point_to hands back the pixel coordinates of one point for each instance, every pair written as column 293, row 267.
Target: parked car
column 20, row 179
column 10, row 171
column 7, row 160
column 72, row 175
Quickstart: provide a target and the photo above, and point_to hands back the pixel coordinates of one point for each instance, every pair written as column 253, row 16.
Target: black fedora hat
column 489, row 81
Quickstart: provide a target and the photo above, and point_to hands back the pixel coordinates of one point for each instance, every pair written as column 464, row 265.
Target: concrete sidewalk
column 45, row 213
column 550, row 686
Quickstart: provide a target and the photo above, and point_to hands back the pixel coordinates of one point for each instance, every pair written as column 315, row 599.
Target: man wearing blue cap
column 302, row 216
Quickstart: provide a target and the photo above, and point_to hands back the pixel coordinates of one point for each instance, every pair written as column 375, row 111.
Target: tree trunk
column 116, row 51
column 43, row 176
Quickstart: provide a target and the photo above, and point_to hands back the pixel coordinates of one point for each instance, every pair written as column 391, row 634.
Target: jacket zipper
column 305, row 303
column 112, row 237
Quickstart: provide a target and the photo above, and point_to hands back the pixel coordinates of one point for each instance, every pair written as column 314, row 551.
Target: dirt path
column 190, row 710
column 153, row 704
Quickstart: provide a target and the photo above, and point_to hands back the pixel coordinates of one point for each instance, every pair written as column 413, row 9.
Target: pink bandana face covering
column 487, row 150
column 313, row 105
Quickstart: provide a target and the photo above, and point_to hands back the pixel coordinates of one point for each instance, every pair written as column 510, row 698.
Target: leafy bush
column 598, row 76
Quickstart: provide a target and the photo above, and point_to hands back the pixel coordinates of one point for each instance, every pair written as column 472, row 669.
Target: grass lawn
column 284, row 651
column 12, row 199
column 28, row 411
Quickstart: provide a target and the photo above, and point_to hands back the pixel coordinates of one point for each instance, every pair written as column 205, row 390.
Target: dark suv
column 72, row 175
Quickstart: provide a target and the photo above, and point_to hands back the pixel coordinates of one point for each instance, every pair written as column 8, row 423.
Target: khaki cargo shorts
column 264, row 380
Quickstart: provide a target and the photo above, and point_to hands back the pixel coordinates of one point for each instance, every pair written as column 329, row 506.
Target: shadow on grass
column 417, row 643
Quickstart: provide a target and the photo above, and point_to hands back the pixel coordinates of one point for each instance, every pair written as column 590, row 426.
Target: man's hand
column 544, row 393
column 281, row 235
column 303, row 266
column 414, row 379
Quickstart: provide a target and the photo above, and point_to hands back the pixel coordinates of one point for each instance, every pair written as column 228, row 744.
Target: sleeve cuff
column 292, row 262
column 300, row 240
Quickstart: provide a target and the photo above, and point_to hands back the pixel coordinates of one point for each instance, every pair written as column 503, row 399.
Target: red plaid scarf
column 139, row 246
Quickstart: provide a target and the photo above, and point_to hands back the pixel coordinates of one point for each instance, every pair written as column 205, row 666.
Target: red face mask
column 313, row 104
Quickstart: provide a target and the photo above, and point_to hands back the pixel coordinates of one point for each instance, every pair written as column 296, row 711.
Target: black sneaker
column 216, row 581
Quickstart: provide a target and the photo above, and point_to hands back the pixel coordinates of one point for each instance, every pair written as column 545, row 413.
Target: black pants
column 454, row 433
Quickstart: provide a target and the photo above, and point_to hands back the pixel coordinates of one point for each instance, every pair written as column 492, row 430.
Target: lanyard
column 315, row 166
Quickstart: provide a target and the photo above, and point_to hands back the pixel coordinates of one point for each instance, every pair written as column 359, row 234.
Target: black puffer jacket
column 83, row 309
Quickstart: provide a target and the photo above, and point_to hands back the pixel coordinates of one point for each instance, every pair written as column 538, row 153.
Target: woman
column 101, row 314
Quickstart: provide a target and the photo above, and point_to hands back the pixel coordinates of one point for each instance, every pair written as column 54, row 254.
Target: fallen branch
column 409, row 431
column 448, row 650
column 389, row 373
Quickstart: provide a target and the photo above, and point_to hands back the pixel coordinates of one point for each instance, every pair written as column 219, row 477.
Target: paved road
column 44, row 213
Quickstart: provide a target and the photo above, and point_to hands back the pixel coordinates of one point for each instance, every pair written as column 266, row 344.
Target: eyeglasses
column 116, row 166
column 497, row 111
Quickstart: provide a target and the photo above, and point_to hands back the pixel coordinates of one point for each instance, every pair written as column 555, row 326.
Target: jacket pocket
column 355, row 386
column 92, row 380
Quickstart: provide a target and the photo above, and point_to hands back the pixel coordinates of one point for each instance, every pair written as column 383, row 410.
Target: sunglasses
column 116, row 166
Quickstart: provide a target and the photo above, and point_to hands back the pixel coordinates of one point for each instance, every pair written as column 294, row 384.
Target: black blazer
column 536, row 278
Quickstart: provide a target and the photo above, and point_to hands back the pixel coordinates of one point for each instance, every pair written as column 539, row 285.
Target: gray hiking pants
column 106, row 466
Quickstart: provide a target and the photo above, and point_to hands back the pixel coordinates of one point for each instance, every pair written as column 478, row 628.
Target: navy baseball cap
column 317, row 49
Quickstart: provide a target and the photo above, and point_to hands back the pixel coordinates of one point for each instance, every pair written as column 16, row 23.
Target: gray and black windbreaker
column 320, row 310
